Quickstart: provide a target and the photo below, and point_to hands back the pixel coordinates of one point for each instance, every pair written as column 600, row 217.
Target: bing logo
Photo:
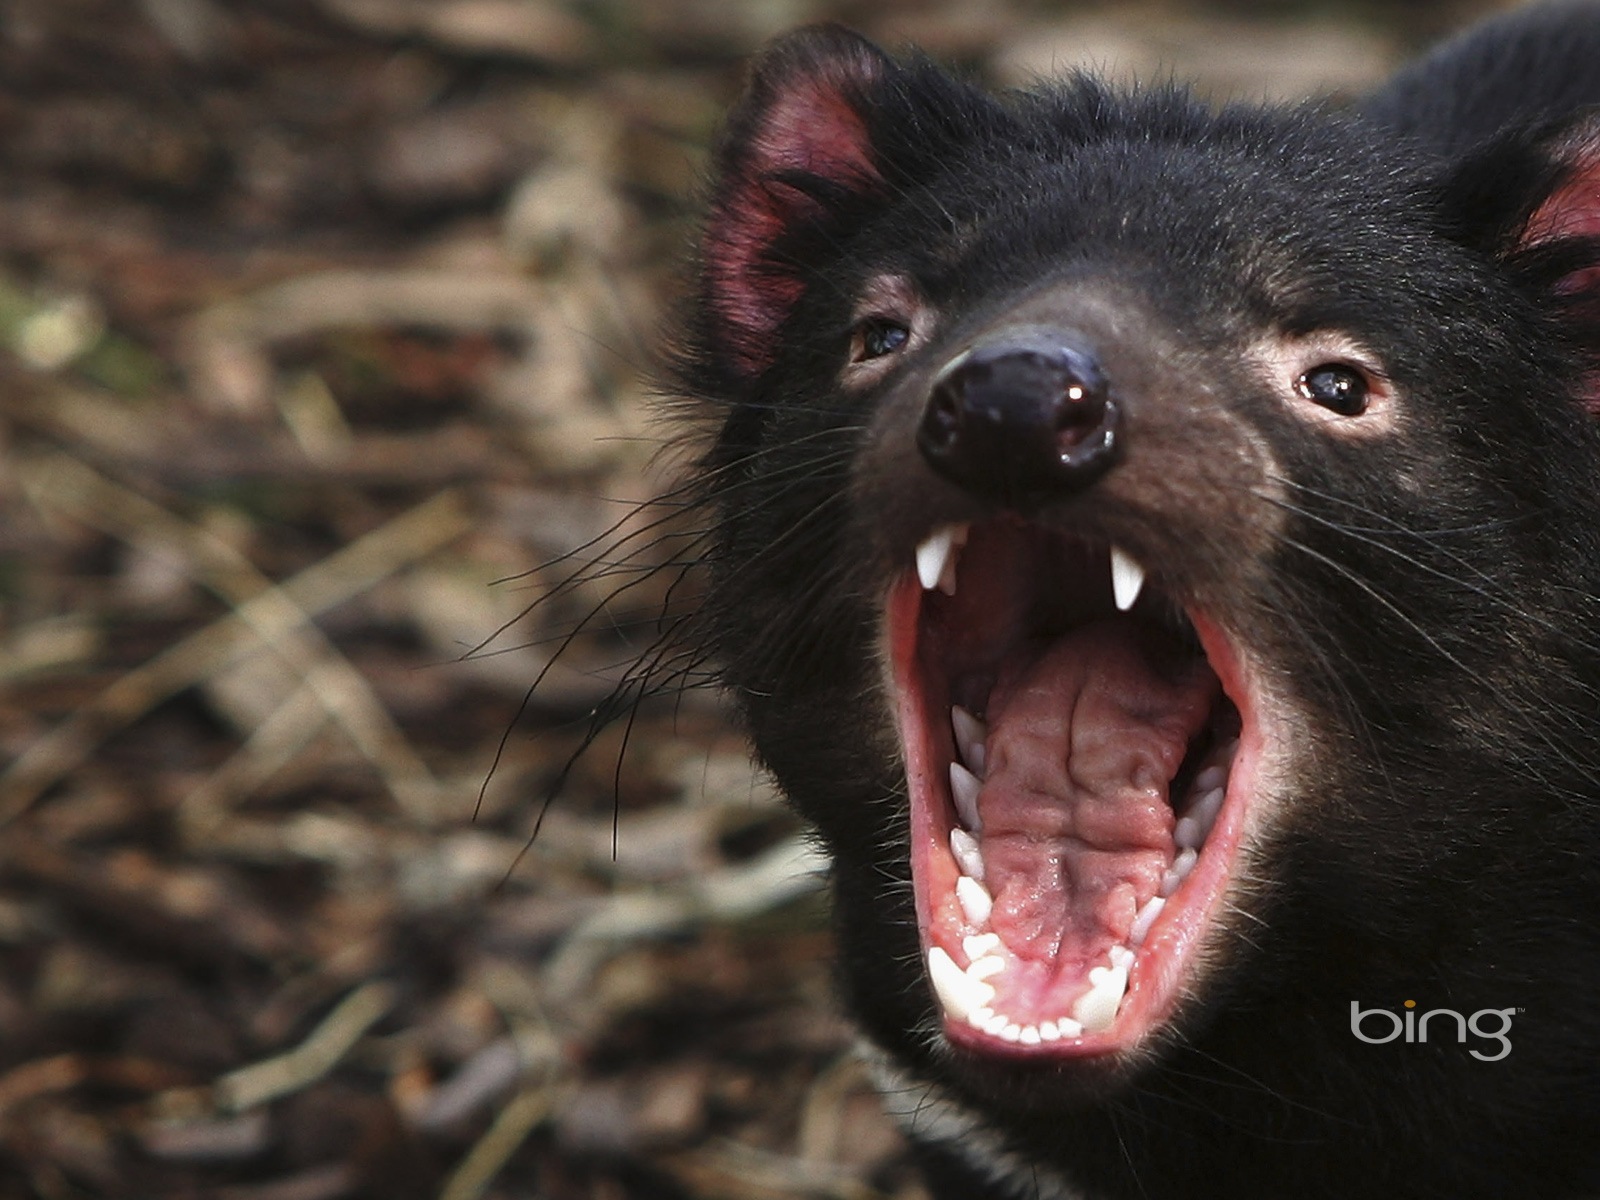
column 1490, row 1024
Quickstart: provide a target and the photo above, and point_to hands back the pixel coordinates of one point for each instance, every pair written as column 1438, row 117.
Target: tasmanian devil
column 1158, row 548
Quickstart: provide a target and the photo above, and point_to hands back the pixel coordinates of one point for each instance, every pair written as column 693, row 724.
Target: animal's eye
column 875, row 337
column 1338, row 387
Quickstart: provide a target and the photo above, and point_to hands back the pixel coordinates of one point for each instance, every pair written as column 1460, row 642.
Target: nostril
column 941, row 421
column 1081, row 409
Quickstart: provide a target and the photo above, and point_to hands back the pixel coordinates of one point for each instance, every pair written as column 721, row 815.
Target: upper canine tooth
column 1127, row 577
column 936, row 558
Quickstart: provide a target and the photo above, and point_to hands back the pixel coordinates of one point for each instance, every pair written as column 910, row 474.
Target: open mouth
column 1080, row 753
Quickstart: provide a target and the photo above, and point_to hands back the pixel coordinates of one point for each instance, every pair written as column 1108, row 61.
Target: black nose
column 1022, row 420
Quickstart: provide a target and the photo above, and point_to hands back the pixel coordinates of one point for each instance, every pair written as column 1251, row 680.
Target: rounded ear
column 1571, row 208
column 1532, row 200
column 797, row 153
column 1560, row 244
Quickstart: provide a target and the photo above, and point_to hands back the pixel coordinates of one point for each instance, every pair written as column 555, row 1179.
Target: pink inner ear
column 1573, row 211
column 809, row 127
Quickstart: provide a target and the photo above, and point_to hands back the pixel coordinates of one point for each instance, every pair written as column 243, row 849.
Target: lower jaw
column 1161, row 970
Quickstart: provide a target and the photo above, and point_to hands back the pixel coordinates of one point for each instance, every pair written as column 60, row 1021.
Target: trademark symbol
column 1520, row 1011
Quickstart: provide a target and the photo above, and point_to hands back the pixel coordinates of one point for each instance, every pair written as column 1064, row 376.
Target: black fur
column 1427, row 599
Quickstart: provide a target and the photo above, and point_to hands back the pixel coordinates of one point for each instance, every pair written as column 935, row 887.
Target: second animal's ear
column 1533, row 201
column 796, row 156
column 1570, row 212
column 1560, row 244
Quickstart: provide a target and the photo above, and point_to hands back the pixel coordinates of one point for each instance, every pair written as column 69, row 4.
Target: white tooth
column 1188, row 834
column 1178, row 871
column 967, row 853
column 974, row 899
column 979, row 945
column 1211, row 777
column 1204, row 810
column 1068, row 1028
column 1127, row 577
column 1031, row 1035
column 1120, row 956
column 971, row 734
column 958, row 993
column 964, row 789
column 1012, row 1032
column 1049, row 1032
column 1146, row 918
column 932, row 555
column 937, row 555
column 982, row 968
column 964, row 848
column 1097, row 1008
column 995, row 1024
column 979, row 1017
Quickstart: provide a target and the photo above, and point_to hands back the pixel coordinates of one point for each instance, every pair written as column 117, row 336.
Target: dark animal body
column 1159, row 550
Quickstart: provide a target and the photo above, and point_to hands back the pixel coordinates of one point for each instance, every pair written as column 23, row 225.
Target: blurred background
column 326, row 332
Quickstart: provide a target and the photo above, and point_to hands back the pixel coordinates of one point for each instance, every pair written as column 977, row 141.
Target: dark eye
column 1336, row 386
column 875, row 337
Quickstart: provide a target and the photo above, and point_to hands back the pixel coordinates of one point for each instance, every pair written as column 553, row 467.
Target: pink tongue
column 1084, row 739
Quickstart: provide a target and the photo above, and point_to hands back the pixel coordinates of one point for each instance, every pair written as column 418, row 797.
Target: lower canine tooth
column 1097, row 1008
column 959, row 994
column 974, row 899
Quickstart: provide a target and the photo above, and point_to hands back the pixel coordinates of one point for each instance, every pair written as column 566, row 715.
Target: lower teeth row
column 966, row 995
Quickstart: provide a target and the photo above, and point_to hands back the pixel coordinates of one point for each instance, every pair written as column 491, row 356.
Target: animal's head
column 1156, row 548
